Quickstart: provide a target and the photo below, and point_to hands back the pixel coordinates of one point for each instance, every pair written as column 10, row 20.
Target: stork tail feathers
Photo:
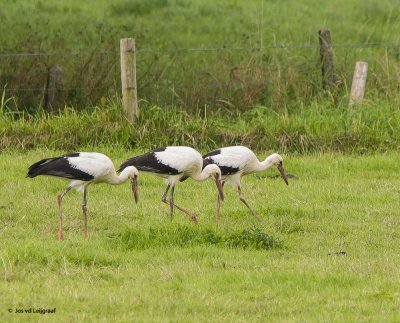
column 39, row 168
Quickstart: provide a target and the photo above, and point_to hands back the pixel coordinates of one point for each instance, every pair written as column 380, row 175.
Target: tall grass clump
column 189, row 236
column 318, row 127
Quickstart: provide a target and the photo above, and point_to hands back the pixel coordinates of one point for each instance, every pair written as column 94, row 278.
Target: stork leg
column 219, row 204
column 84, row 209
column 171, row 201
column 164, row 199
column 60, row 221
column 241, row 197
column 164, row 196
column 172, row 204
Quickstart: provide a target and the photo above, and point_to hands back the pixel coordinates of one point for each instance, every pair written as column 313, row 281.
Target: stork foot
column 193, row 217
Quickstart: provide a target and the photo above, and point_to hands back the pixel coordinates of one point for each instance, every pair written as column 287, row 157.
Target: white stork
column 236, row 161
column 175, row 163
column 83, row 169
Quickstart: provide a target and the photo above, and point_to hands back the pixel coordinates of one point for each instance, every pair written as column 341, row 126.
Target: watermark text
column 31, row 310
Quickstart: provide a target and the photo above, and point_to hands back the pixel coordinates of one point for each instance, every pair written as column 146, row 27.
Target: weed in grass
column 189, row 236
column 253, row 238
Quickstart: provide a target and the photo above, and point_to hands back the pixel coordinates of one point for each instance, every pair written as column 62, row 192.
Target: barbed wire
column 204, row 49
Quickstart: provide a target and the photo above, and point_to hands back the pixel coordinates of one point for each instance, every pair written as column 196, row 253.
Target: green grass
column 334, row 255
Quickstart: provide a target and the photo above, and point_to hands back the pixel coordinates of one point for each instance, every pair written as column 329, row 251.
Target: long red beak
column 283, row 174
column 135, row 189
column 219, row 187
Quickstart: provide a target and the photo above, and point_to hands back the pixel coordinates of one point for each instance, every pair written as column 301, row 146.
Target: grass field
column 334, row 255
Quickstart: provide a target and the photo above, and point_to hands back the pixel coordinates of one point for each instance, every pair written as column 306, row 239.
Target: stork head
column 277, row 160
column 214, row 171
column 133, row 174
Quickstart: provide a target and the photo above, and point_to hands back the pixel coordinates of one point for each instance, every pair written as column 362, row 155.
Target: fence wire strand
column 205, row 49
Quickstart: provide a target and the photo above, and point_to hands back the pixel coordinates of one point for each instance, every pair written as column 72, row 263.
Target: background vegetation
column 268, row 51
column 319, row 127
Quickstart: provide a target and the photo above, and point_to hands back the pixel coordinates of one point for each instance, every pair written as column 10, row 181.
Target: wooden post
column 54, row 90
column 128, row 78
column 326, row 53
column 358, row 84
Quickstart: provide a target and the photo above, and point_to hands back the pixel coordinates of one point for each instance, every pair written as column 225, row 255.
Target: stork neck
column 264, row 165
column 121, row 178
column 201, row 176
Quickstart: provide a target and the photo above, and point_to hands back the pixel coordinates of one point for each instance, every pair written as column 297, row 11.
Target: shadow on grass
column 186, row 236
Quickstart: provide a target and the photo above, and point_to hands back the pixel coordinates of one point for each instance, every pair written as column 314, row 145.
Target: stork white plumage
column 236, row 161
column 175, row 163
column 83, row 169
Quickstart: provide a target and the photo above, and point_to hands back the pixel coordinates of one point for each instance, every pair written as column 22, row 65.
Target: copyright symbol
column 10, row 310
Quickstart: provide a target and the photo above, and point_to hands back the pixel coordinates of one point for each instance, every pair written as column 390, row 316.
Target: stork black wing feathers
column 149, row 163
column 60, row 167
column 207, row 161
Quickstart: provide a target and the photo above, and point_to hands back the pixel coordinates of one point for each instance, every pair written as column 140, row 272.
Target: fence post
column 358, row 84
column 326, row 54
column 128, row 78
column 54, row 89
